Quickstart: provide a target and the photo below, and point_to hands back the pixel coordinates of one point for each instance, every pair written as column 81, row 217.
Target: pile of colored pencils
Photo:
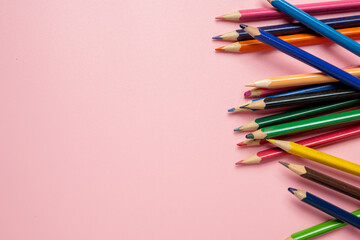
column 318, row 101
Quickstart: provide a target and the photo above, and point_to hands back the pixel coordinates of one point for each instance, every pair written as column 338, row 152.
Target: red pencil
column 309, row 142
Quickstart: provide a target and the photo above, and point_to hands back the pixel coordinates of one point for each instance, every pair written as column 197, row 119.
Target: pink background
column 114, row 126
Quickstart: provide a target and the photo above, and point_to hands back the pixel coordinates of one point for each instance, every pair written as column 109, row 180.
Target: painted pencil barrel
column 317, row 26
column 303, row 112
column 312, row 123
column 321, row 228
column 332, row 210
column 309, row 59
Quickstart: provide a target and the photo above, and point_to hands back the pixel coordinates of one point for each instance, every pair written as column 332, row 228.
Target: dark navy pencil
column 326, row 207
column 303, row 56
column 292, row 28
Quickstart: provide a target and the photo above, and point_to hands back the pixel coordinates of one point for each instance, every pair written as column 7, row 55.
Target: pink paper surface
column 114, row 125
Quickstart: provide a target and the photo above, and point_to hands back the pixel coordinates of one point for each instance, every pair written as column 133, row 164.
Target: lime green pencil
column 305, row 125
column 320, row 229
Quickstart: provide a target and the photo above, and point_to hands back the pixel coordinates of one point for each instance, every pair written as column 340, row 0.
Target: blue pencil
column 326, row 207
column 303, row 56
column 297, row 91
column 292, row 28
column 316, row 25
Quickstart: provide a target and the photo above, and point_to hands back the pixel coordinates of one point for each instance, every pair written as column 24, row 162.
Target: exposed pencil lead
column 250, row 135
column 218, row 37
column 239, row 163
column 243, row 26
column 284, row 163
column 237, row 129
column 292, row 190
column 231, row 110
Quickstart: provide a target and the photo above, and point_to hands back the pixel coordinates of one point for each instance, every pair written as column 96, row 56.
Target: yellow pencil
column 317, row 156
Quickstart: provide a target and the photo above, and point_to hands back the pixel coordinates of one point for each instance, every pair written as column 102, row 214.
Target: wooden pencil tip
column 250, row 85
column 284, row 163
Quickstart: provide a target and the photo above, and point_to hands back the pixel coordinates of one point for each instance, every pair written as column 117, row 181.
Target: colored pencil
column 291, row 28
column 340, row 94
column 313, row 8
column 316, row 90
column 316, row 141
column 316, row 25
column 261, row 92
column 295, row 114
column 302, row 39
column 303, row 56
column 251, row 142
column 324, row 179
column 305, row 124
column 320, row 229
column 326, row 207
column 299, row 80
column 317, row 156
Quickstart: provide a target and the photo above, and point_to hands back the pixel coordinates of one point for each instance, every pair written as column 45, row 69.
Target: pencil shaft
column 303, row 112
column 313, row 8
column 332, row 210
column 311, row 123
column 317, row 25
column 332, row 183
column 302, row 79
column 310, row 98
column 309, row 59
column 321, row 228
column 316, row 141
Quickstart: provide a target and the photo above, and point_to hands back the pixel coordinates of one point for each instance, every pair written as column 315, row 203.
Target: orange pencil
column 302, row 39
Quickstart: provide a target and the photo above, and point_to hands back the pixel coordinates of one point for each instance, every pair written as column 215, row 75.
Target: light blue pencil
column 316, row 25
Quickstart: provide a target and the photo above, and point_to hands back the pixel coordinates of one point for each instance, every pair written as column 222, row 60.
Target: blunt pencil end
column 292, row 190
column 231, row 110
column 284, row 163
column 250, row 135
column 243, row 26
column 218, row 37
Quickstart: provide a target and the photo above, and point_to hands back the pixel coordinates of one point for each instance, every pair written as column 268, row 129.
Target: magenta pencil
column 309, row 142
column 311, row 8
column 261, row 92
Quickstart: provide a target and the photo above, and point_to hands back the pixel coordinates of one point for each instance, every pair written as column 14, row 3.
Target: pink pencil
column 311, row 8
column 261, row 92
column 309, row 142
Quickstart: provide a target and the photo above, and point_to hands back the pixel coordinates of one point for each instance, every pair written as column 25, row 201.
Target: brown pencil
column 324, row 179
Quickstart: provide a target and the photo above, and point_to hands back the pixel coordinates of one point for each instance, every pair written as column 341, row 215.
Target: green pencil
column 305, row 125
column 294, row 114
column 320, row 229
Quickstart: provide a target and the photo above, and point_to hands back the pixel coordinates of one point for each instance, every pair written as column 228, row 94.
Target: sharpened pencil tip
column 284, row 163
column 237, row 129
column 240, row 144
column 270, row 140
column 231, row 110
column 239, row 162
column 250, row 135
column 243, row 26
column 247, row 94
column 218, row 37
column 221, row 49
column 220, row 17
column 292, row 190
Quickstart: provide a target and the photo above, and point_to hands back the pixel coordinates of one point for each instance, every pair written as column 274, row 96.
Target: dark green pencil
column 295, row 114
